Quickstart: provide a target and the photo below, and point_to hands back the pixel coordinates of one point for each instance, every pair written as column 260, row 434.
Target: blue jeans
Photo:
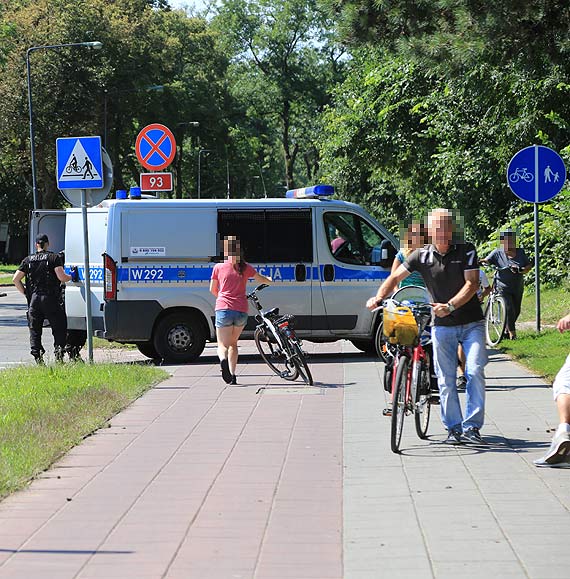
column 445, row 342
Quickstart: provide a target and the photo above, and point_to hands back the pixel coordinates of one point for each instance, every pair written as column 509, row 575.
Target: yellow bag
column 400, row 326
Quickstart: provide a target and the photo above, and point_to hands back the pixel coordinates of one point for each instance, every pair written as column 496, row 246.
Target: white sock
column 562, row 427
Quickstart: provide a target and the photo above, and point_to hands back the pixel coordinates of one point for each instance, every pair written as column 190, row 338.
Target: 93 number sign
column 156, row 181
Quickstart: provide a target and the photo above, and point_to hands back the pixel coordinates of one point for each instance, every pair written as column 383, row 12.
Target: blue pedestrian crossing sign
column 536, row 174
column 79, row 163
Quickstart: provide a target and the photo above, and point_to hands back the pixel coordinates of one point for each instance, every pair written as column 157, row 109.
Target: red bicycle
column 410, row 384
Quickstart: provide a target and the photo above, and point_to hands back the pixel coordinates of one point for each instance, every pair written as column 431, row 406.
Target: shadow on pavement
column 494, row 444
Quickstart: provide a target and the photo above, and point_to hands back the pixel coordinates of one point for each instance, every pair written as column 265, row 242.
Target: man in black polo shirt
column 44, row 275
column 451, row 273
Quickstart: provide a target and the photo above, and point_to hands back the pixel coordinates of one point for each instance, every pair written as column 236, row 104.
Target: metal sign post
column 536, row 242
column 84, row 176
column 538, row 185
column 87, row 276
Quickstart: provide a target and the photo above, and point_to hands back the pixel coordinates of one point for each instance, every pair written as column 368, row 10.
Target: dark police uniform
column 43, row 291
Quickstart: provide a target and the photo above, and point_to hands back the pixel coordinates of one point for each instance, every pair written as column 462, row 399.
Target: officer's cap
column 42, row 238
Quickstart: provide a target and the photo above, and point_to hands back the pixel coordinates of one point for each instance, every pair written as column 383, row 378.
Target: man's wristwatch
column 450, row 307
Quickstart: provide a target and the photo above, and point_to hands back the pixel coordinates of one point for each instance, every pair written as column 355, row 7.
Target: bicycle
column 495, row 314
column 521, row 174
column 410, row 385
column 277, row 342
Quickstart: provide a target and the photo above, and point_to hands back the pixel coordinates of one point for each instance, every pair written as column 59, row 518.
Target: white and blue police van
column 151, row 261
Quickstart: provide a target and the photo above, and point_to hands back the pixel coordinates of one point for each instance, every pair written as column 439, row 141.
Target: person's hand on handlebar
column 441, row 310
column 373, row 303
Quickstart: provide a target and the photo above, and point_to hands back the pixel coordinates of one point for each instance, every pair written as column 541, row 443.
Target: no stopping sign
column 155, row 147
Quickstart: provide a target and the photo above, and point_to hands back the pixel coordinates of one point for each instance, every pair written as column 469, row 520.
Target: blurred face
column 415, row 237
column 232, row 248
column 441, row 229
column 509, row 242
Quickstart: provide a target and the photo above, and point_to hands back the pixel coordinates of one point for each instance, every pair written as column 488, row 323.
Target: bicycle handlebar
column 260, row 287
column 413, row 306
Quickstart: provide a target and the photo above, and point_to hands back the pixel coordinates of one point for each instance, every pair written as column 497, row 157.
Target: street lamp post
column 93, row 45
column 199, row 176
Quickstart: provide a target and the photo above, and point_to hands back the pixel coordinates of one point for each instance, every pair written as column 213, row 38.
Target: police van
column 151, row 261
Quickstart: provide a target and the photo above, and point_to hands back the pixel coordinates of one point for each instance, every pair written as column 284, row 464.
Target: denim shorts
column 225, row 318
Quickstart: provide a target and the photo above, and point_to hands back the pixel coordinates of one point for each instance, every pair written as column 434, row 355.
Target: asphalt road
column 14, row 335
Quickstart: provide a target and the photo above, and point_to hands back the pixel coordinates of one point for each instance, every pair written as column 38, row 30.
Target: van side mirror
column 384, row 254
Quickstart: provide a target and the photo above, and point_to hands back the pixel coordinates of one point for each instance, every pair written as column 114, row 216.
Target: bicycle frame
column 268, row 323
column 416, row 354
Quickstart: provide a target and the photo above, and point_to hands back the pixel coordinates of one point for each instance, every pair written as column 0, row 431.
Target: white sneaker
column 558, row 452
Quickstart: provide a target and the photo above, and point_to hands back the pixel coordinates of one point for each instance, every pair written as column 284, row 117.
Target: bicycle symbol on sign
column 521, row 174
column 73, row 166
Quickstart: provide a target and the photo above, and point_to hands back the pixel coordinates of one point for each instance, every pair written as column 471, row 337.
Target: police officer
column 44, row 275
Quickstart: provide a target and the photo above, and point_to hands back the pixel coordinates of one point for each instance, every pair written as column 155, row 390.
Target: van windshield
column 351, row 239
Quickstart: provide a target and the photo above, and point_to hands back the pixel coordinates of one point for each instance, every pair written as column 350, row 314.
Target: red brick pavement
column 195, row 480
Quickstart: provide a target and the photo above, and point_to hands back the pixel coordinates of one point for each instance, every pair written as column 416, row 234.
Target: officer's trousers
column 41, row 307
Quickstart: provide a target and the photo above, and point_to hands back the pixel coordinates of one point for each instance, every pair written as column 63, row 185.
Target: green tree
column 280, row 58
column 439, row 96
column 145, row 43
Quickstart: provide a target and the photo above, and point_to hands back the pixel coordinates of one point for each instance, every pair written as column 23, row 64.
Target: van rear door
column 74, row 255
column 52, row 223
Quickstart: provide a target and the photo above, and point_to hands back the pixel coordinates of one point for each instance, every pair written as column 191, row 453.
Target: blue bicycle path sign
column 536, row 174
column 79, row 163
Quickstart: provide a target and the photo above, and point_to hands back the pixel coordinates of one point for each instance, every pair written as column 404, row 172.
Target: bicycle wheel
column 495, row 320
column 301, row 362
column 399, row 404
column 422, row 407
column 273, row 356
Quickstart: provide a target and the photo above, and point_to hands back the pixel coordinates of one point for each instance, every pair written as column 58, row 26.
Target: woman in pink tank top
column 228, row 283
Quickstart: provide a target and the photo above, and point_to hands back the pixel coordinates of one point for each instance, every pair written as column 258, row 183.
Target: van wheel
column 179, row 338
column 147, row 349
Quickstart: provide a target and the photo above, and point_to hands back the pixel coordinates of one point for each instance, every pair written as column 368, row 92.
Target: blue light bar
column 310, row 192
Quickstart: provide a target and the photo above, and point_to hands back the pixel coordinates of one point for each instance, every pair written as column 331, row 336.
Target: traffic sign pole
column 88, row 316
column 537, row 266
column 536, row 242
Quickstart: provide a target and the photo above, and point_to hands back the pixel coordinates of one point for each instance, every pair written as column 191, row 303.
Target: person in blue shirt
column 414, row 238
column 511, row 263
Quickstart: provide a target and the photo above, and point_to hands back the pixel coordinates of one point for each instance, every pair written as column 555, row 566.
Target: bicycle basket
column 400, row 325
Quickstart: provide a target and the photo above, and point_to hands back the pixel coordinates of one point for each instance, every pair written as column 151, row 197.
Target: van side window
column 270, row 235
column 351, row 239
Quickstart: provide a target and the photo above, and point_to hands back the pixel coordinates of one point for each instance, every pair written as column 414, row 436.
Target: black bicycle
column 277, row 342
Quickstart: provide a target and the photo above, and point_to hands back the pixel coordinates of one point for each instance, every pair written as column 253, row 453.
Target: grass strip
column 7, row 273
column 45, row 411
column 554, row 304
column 102, row 343
column 542, row 353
